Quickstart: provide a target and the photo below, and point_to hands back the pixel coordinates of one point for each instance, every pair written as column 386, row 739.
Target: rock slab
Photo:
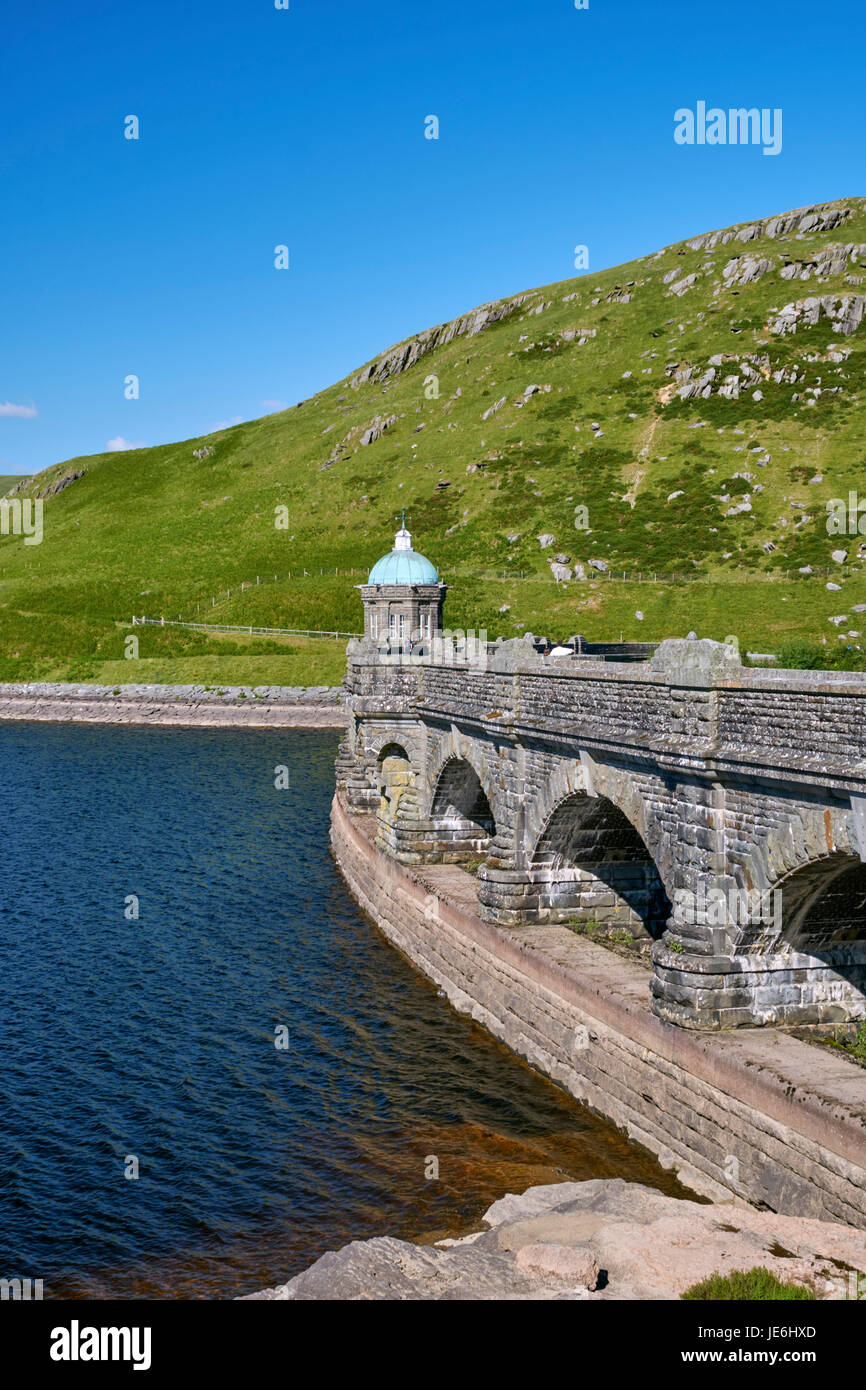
column 602, row 1239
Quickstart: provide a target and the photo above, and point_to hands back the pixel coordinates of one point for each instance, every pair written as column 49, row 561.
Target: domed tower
column 403, row 597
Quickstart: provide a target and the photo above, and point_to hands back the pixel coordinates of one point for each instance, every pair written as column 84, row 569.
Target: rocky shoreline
column 605, row 1239
column 300, row 707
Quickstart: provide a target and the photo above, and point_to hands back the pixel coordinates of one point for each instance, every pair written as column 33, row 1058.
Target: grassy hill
column 702, row 403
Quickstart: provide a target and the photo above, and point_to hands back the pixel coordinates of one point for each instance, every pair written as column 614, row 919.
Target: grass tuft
column 756, row 1285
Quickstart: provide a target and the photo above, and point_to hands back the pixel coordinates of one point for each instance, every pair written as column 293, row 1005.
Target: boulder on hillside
column 377, row 428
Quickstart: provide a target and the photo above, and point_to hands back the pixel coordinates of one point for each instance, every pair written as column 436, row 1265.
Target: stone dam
column 648, row 877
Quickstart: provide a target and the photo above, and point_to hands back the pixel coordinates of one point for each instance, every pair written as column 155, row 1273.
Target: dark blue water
column 154, row 1038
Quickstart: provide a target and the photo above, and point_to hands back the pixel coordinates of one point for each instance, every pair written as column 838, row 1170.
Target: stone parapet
column 621, row 793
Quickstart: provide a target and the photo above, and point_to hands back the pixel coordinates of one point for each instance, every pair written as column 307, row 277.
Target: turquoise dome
column 403, row 565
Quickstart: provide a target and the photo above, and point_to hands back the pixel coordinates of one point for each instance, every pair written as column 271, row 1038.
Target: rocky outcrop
column 701, row 386
column 680, row 287
column 744, row 270
column 491, row 410
column 819, row 218
column 50, row 489
column 560, row 569
column 400, row 358
column 583, row 335
column 830, row 260
column 741, row 372
column 337, row 453
column 597, row 1240
column 377, row 428
column 60, row 483
column 845, row 313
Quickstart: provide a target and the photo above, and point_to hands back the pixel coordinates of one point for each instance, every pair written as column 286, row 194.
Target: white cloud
column 275, row 405
column 118, row 444
column 20, row 412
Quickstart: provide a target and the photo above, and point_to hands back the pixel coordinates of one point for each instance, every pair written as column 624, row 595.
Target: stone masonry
column 716, row 814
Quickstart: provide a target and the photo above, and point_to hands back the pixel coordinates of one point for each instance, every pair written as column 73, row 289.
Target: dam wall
column 754, row 1114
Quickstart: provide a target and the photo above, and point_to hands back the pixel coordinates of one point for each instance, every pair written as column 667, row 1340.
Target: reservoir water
column 148, row 1043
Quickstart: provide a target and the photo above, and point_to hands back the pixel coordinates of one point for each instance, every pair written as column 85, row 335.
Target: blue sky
column 305, row 127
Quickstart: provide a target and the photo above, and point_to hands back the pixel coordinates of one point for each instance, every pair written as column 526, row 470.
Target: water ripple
column 154, row 1036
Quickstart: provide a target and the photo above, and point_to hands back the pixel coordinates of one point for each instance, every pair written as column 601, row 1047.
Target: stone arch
column 589, row 862
column 823, row 904
column 802, row 920
column 458, row 746
column 392, row 749
column 584, row 776
column 460, row 795
column 817, row 909
column 408, row 739
column 812, row 928
column 395, row 778
column 461, row 814
column 806, row 869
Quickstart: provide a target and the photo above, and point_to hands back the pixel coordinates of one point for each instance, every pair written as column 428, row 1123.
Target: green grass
column 304, row 668
column 809, row 656
column 752, row 1285
column 159, row 532
column 614, row 938
column 854, row 1045
column 303, row 661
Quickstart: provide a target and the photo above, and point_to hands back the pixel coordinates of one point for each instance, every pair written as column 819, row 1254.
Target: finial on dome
column 403, row 540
